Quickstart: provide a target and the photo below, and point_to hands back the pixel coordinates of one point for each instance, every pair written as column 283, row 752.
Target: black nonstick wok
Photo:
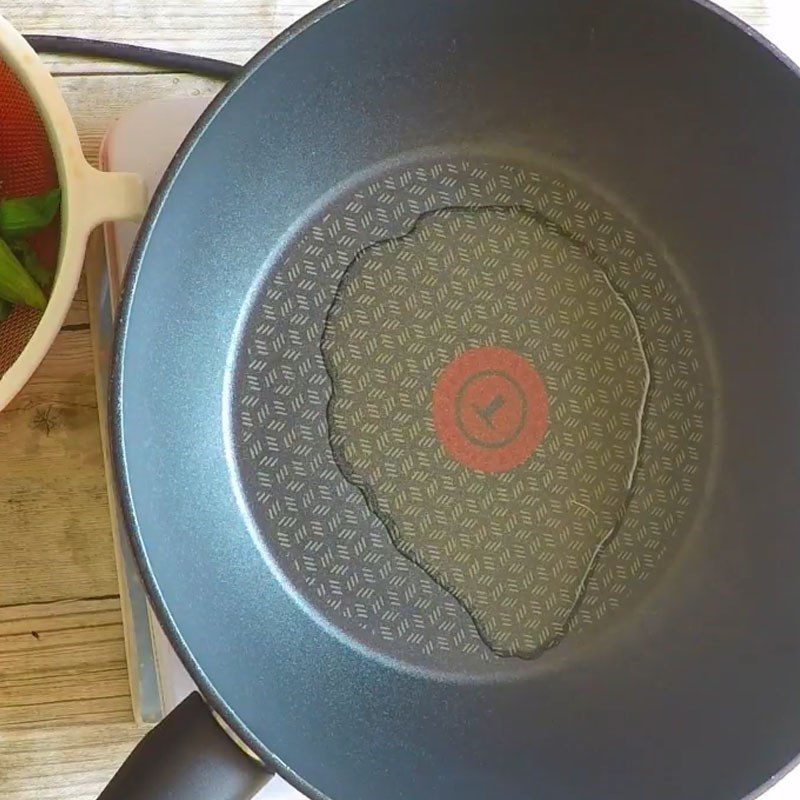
column 455, row 409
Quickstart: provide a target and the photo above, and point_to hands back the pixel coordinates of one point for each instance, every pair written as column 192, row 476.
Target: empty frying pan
column 455, row 409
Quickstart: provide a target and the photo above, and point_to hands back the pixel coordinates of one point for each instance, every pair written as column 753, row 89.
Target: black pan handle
column 188, row 756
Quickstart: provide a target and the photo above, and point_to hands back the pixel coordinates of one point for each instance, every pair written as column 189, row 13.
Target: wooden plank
column 232, row 30
column 73, row 763
column 79, row 312
column 55, row 541
column 63, row 662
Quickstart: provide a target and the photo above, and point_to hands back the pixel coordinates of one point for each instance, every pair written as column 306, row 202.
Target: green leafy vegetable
column 23, row 216
column 28, row 258
column 22, row 278
column 16, row 285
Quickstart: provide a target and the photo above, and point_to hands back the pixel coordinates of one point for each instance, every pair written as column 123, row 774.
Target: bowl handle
column 109, row 196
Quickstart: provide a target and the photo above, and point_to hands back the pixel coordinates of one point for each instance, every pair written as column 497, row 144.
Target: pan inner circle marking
column 489, row 409
column 403, row 547
column 477, row 419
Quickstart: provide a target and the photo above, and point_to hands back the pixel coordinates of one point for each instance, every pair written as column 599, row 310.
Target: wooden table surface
column 65, row 712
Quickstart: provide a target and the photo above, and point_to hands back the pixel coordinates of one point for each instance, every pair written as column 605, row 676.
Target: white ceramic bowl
column 89, row 197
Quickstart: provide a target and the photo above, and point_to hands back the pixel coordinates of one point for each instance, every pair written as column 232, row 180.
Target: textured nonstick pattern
column 313, row 504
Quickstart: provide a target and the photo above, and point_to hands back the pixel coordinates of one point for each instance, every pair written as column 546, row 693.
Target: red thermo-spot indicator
column 490, row 409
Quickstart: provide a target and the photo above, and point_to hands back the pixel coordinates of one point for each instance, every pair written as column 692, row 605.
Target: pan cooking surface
column 472, row 412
